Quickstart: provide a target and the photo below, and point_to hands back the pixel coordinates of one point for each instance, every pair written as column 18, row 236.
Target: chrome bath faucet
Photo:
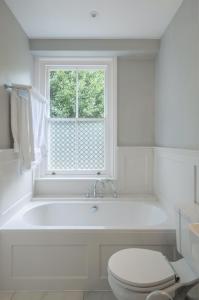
column 102, row 182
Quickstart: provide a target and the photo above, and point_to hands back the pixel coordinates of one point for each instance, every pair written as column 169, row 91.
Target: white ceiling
column 116, row 18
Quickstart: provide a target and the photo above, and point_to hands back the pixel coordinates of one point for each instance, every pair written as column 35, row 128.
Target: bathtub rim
column 16, row 222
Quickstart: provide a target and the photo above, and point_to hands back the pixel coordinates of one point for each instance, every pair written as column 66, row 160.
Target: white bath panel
column 69, row 259
column 54, row 261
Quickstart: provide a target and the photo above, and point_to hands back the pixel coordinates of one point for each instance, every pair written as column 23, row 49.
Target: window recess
column 81, row 117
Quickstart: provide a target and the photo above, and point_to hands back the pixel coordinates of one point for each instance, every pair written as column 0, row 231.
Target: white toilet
column 134, row 273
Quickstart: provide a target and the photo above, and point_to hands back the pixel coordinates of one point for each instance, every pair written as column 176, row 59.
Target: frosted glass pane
column 91, row 145
column 76, row 145
column 61, row 153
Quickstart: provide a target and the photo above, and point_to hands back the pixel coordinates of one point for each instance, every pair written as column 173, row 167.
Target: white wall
column 136, row 98
column 136, row 80
column 177, row 81
column 15, row 65
column 94, row 47
column 176, row 171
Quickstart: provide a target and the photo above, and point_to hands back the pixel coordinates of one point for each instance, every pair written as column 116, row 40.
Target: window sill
column 72, row 178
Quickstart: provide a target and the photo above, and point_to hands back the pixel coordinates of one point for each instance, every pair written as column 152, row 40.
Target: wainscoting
column 135, row 170
column 171, row 174
column 134, row 176
column 15, row 187
column 176, row 177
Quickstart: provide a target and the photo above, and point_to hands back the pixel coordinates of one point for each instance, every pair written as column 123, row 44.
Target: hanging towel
column 28, row 125
column 39, row 124
column 22, row 126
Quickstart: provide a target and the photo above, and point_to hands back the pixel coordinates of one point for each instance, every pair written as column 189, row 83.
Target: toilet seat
column 141, row 270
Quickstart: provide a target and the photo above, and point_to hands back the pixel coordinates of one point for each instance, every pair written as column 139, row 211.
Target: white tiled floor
column 56, row 296
column 99, row 296
column 69, row 295
column 194, row 293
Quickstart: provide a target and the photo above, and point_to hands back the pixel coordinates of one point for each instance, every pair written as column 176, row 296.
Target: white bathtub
column 85, row 214
column 65, row 244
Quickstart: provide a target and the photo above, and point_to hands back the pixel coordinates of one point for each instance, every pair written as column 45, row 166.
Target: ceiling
column 115, row 19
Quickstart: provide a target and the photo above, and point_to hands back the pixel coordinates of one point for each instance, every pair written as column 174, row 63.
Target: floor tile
column 76, row 295
column 194, row 293
column 27, row 296
column 5, row 295
column 99, row 296
column 62, row 296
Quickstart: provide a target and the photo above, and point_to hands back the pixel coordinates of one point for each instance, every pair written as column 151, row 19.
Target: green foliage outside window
column 86, row 86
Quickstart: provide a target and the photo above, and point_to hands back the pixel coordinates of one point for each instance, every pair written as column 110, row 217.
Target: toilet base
column 122, row 293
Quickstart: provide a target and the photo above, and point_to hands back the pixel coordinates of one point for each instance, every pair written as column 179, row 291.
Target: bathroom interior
column 99, row 149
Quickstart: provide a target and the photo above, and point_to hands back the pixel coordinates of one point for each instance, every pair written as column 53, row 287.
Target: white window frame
column 109, row 64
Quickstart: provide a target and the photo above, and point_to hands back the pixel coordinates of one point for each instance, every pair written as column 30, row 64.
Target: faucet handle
column 89, row 192
column 115, row 194
column 102, row 182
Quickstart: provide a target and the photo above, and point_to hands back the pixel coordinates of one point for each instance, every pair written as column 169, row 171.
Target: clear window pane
column 91, row 93
column 62, row 93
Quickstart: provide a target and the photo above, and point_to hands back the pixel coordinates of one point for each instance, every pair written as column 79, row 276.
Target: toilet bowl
column 134, row 273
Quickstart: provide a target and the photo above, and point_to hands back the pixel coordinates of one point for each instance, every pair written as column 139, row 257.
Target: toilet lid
column 141, row 267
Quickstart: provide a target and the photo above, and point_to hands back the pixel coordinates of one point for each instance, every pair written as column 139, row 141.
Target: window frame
column 43, row 66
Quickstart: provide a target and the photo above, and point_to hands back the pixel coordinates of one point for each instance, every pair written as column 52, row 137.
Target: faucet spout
column 113, row 188
column 94, row 192
column 96, row 183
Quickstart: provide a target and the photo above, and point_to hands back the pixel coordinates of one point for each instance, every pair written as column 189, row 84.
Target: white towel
column 28, row 125
column 22, row 126
column 39, row 124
